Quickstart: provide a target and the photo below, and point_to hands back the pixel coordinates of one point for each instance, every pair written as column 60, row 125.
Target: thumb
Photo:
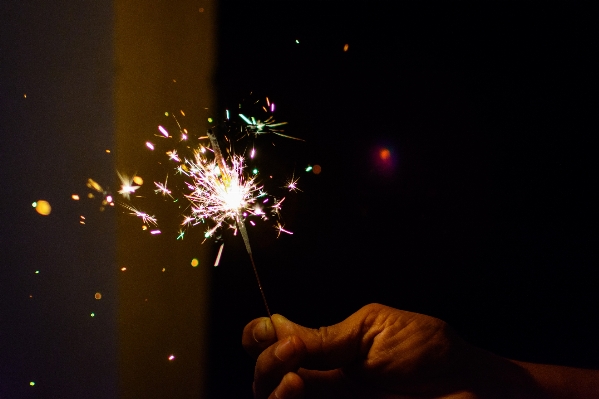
column 338, row 345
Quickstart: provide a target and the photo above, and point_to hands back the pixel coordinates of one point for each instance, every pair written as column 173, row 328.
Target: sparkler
column 219, row 192
column 234, row 194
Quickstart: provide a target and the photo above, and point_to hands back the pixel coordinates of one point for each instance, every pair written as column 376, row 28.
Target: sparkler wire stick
column 246, row 241
column 240, row 225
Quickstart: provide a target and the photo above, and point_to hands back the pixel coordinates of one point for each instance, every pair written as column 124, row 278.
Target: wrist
column 497, row 377
column 558, row 382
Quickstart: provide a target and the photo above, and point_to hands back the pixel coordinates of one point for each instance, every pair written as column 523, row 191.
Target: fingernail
column 285, row 350
column 263, row 331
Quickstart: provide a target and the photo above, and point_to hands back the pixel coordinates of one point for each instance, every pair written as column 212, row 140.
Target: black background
column 486, row 218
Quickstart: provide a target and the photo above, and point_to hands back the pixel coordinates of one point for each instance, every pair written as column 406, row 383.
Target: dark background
column 485, row 218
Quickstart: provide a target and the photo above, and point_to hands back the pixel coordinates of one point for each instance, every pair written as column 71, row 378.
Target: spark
column 220, row 192
column 127, row 186
column 154, row 232
column 292, row 184
column 187, row 220
column 280, row 229
column 276, row 208
column 147, row 219
column 163, row 131
column 220, row 252
column 172, row 155
column 258, row 127
column 258, row 211
column 150, row 145
column 91, row 183
column 162, row 188
column 181, row 235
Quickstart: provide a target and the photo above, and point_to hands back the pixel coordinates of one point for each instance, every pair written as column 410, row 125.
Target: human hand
column 378, row 352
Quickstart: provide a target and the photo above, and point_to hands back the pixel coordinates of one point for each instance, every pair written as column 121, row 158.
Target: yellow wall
column 164, row 60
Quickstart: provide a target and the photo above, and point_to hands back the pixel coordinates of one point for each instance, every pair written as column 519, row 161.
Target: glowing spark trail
column 220, row 252
column 144, row 216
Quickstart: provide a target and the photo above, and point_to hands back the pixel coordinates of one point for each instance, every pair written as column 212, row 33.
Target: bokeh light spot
column 171, row 357
column 384, row 159
column 98, row 295
column 346, row 47
column 138, row 180
column 32, row 383
column 93, row 315
column 316, row 169
column 195, row 262
column 385, row 154
column 42, row 207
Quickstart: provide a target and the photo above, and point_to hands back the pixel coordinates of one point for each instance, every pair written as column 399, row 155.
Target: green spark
column 245, row 119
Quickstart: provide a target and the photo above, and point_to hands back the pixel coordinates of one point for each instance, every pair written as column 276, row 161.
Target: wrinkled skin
column 378, row 352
